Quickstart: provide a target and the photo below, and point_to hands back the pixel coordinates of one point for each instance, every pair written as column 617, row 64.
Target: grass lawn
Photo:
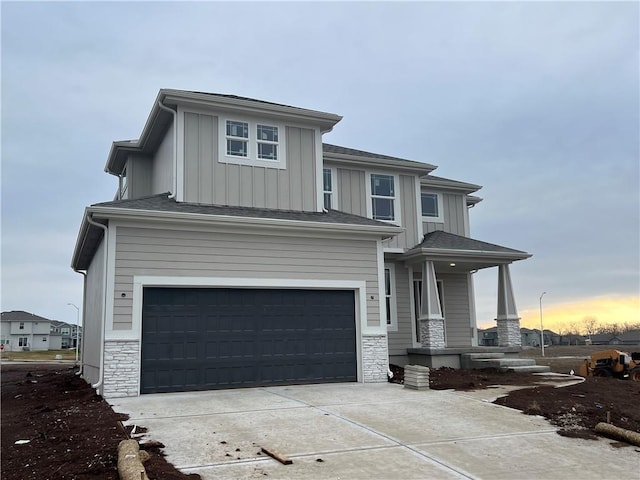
column 67, row 354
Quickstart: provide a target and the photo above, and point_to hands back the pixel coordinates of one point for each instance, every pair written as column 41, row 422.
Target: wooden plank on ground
column 277, row 455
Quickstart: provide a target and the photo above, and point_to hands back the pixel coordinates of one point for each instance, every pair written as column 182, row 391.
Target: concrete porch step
column 530, row 369
column 502, row 362
column 474, row 356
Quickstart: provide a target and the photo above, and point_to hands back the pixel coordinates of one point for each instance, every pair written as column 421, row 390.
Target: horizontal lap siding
column 402, row 339
column 456, row 310
column 164, row 252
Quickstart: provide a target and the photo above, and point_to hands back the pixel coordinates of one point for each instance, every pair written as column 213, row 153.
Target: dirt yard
column 72, row 433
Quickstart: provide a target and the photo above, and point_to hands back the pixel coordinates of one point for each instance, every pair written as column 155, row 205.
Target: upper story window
column 237, row 139
column 252, row 143
column 383, row 196
column 431, row 207
column 327, row 181
column 267, row 142
column 21, row 327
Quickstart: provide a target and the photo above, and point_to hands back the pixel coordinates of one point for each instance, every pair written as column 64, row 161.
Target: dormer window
column 254, row 143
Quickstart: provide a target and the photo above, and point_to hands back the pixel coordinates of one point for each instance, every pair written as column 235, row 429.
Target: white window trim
column 252, row 143
column 334, row 189
column 439, row 199
column 393, row 317
column 397, row 212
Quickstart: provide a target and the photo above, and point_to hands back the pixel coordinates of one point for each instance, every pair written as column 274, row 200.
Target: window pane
column 382, row 185
column 326, row 175
column 267, row 151
column 388, row 311
column 237, row 148
column 327, row 201
column 237, row 129
column 429, row 205
column 383, row 209
column 267, row 133
column 387, row 281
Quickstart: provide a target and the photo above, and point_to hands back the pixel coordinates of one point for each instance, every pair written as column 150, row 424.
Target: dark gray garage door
column 203, row 338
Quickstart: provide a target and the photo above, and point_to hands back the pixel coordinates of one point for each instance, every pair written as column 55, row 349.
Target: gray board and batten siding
column 206, row 180
column 164, row 252
column 352, row 198
column 454, row 207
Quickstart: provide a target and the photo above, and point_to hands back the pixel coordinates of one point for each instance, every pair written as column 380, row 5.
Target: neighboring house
column 530, row 338
column 241, row 250
column 630, row 337
column 572, row 339
column 488, row 337
column 24, row 331
column 68, row 333
column 604, row 339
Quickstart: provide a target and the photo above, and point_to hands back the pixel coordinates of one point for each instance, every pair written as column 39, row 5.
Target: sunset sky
column 535, row 101
column 605, row 310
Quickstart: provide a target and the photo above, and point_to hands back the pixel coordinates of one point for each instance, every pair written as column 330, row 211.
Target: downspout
column 175, row 147
column 84, row 310
column 104, row 303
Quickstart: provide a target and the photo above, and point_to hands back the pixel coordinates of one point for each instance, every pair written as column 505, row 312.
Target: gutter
column 175, row 147
column 104, row 302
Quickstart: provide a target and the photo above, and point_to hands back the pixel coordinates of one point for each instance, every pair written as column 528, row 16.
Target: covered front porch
column 442, row 268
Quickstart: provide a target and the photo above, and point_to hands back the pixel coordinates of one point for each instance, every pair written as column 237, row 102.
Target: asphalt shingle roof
column 450, row 241
column 163, row 203
column 329, row 148
column 22, row 316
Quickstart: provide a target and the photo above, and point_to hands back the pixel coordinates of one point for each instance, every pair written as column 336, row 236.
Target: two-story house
column 22, row 330
column 241, row 250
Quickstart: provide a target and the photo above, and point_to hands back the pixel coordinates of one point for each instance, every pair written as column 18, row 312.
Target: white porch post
column 507, row 319
column 431, row 319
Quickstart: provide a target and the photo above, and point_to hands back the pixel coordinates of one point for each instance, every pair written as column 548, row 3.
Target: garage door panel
column 200, row 339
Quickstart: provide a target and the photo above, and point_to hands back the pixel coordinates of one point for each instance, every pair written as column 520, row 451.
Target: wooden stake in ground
column 278, row 456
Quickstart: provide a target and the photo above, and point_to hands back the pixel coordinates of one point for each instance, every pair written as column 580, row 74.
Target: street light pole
column 77, row 327
column 541, row 327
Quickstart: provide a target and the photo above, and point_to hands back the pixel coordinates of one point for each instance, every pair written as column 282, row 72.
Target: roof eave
column 325, row 120
column 419, row 168
column 231, row 220
column 447, row 184
column 419, row 253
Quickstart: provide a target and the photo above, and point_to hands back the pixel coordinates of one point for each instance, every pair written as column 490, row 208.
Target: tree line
column 591, row 326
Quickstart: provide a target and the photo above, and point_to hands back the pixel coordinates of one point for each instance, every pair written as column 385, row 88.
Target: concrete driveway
column 358, row 431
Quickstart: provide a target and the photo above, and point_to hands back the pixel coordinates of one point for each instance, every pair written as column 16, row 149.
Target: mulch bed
column 72, row 432
column 575, row 409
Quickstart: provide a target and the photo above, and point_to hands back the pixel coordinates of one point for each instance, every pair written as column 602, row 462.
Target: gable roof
column 162, row 208
column 21, row 316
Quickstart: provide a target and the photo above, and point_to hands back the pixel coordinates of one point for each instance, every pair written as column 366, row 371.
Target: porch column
column 431, row 319
column 507, row 320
